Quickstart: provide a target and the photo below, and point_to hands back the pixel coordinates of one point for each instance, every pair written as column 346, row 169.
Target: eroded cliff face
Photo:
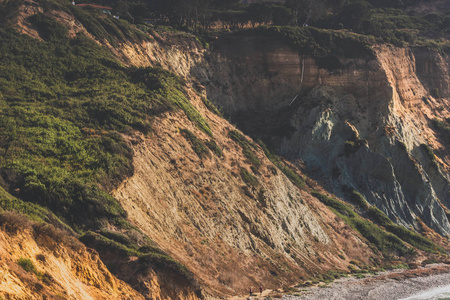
column 236, row 225
column 365, row 125
column 231, row 234
column 63, row 267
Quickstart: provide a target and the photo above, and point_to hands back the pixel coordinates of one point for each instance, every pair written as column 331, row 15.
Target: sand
column 385, row 286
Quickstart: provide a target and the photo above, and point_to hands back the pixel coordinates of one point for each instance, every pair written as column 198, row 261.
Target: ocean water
column 439, row 293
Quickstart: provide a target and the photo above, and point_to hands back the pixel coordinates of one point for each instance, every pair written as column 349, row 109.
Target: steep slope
column 41, row 262
column 364, row 122
column 199, row 209
column 235, row 225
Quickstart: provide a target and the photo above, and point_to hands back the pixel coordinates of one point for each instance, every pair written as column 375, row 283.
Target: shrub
column 247, row 147
column 197, row 145
column 443, row 126
column 14, row 222
column 211, row 107
column 118, row 237
column 435, row 93
column 324, row 45
column 248, row 178
column 104, row 244
column 165, row 263
column 212, row 145
column 27, row 265
column 49, row 29
column 358, row 199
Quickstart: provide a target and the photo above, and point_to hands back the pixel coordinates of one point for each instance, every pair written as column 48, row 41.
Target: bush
column 166, row 264
column 247, row 147
column 14, row 222
column 324, row 45
column 105, row 245
column 49, row 29
column 248, row 178
column 435, row 93
column 197, row 145
column 27, row 265
column 212, row 145
column 358, row 199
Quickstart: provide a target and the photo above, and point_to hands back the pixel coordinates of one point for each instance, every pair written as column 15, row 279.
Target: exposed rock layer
column 380, row 105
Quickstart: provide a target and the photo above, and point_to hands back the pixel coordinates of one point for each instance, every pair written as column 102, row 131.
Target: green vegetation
column 290, row 174
column 385, row 242
column 104, row 27
column 212, row 145
column 246, row 147
column 406, row 235
column 358, row 199
column 103, row 243
column 170, row 93
column 63, row 103
column 393, row 25
column 248, row 178
column 443, row 129
column 27, row 265
column 211, row 107
column 33, row 211
column 323, row 44
column 164, row 263
column 197, row 145
column 66, row 104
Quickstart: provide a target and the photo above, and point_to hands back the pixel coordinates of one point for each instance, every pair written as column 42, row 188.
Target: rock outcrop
column 364, row 125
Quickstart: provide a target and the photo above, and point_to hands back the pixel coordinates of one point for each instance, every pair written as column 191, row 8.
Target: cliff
column 198, row 208
column 364, row 125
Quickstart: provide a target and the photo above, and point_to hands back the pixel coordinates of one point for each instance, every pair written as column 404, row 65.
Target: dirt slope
column 64, row 268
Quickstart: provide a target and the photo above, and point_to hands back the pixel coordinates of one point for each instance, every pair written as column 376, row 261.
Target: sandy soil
column 385, row 286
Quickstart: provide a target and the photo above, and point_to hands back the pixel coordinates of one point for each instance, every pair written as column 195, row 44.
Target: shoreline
column 384, row 286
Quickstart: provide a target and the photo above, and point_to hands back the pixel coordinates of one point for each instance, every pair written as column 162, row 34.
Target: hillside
column 111, row 136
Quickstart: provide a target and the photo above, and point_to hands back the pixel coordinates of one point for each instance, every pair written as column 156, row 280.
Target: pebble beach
column 422, row 283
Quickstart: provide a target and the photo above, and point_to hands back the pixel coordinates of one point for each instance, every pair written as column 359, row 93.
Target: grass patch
column 102, row 243
column 32, row 211
column 212, row 145
column 409, row 236
column 211, row 107
column 106, row 28
column 290, row 174
column 385, row 242
column 197, row 145
column 357, row 198
column 248, row 178
column 247, row 147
